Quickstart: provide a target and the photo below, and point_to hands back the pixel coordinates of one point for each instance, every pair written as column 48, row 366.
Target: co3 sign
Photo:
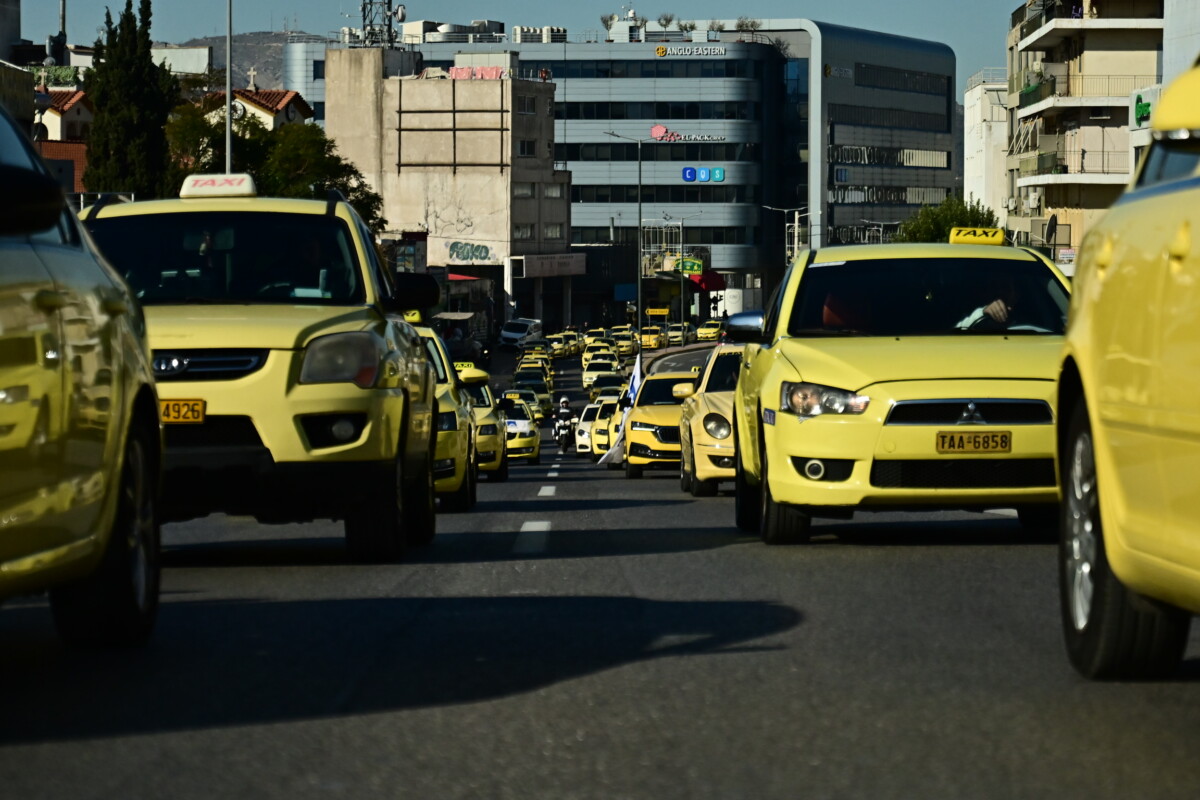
column 703, row 174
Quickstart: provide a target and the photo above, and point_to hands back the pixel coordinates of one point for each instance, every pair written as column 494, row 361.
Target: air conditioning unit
column 1011, row 205
column 1033, row 200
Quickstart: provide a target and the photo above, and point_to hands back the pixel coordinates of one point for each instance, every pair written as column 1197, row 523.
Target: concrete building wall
column 985, row 137
column 1181, row 37
column 10, row 27
column 1124, row 53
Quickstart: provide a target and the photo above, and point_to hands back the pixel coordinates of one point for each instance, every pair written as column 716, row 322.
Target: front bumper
column 715, row 462
column 643, row 449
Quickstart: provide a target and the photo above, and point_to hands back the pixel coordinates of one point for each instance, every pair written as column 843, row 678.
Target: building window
column 523, row 190
column 526, row 104
column 554, row 230
column 527, row 147
column 319, row 70
column 523, row 232
column 553, row 190
column 318, row 110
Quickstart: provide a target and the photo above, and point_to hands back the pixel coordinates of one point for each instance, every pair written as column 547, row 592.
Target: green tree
column 133, row 98
column 933, row 223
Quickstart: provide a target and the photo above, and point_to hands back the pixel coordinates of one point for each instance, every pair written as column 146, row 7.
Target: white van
column 516, row 331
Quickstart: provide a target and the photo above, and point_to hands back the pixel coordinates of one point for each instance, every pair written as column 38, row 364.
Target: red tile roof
column 66, row 151
column 272, row 100
column 63, row 100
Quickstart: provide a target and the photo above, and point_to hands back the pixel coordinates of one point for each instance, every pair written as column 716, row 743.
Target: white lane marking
column 547, row 491
column 532, row 538
column 552, row 473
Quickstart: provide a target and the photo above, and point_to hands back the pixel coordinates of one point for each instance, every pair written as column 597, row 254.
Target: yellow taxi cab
column 680, row 333
column 583, row 429
column 454, row 461
column 592, row 350
column 707, row 450
column 533, row 371
column 626, row 346
column 524, row 438
column 652, row 427
column 529, row 398
column 653, row 338
column 609, row 380
column 290, row 389
column 710, row 331
column 1129, row 414
column 592, row 334
column 80, row 441
column 900, row 375
column 539, row 360
column 490, row 424
column 574, row 342
column 559, row 346
column 602, row 434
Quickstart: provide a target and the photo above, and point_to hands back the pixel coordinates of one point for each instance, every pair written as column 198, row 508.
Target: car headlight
column 343, row 357
column 488, row 430
column 717, row 426
column 813, row 399
column 581, row 434
column 643, row 426
column 447, row 421
column 14, row 394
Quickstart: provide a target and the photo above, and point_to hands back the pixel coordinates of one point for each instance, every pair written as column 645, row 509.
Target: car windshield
column 515, row 327
column 606, row 411
column 608, row 380
column 658, row 392
column 435, row 358
column 232, row 257
column 480, row 396
column 537, row 387
column 723, row 376
column 928, row 297
column 652, row 331
column 518, row 411
column 589, row 413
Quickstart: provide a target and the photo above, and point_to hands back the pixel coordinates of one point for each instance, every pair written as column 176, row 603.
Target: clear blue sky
column 974, row 28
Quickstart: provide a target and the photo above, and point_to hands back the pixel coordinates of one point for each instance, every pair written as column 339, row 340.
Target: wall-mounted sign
column 688, row 50
column 660, row 133
column 704, row 174
column 839, row 72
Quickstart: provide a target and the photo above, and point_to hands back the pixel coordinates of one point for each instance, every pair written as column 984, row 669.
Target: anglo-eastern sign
column 689, row 50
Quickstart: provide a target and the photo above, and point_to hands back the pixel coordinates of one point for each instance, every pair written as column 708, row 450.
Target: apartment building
column 985, row 140
column 1072, row 65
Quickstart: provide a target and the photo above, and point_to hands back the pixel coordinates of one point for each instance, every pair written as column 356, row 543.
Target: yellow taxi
column 529, row 398
column 602, row 428
column 900, row 375
column 80, row 441
column 592, row 334
column 626, row 346
column 652, row 427
column 290, row 389
column 710, row 331
column 574, row 342
column 1128, row 430
column 454, row 470
column 559, row 347
column 583, row 429
column 489, row 424
column 653, row 338
column 524, row 440
column 594, row 349
column 707, row 451
column 607, row 380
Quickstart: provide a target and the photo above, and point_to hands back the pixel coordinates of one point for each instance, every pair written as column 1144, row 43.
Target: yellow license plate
column 181, row 411
column 964, row 442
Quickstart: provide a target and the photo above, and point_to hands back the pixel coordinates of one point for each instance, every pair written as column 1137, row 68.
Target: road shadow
column 985, row 530
column 248, row 662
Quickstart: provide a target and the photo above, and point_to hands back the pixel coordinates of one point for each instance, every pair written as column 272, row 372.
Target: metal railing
column 1075, row 162
column 1083, row 86
column 987, row 75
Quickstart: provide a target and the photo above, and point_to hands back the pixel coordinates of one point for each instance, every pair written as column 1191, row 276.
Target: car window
column 659, row 392
column 479, row 394
column 724, row 375
column 927, row 297
column 234, row 257
column 1169, row 160
column 589, row 413
column 518, row 411
column 435, row 358
column 14, row 148
column 606, row 411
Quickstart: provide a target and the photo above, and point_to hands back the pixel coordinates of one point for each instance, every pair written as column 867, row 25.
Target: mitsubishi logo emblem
column 167, row 365
column 971, row 416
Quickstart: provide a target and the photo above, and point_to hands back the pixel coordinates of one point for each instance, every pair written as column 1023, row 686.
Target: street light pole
column 228, row 86
column 638, row 245
column 679, row 261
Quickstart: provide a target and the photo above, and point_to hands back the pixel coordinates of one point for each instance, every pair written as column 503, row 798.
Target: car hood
column 856, row 363
column 715, row 402
column 522, row 426
column 272, row 327
column 656, row 415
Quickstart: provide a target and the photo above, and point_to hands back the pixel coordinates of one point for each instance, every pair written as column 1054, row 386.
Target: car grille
column 641, row 451
column 964, row 473
column 207, row 365
column 667, row 434
column 970, row 412
column 218, row 431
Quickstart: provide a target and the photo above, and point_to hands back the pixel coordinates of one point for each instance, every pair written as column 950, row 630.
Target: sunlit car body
column 290, row 387
column 524, row 438
column 602, row 428
column 489, row 425
column 593, row 371
column 652, row 427
column 604, row 381
column 80, row 442
column 558, row 345
column 879, row 380
column 583, row 439
column 680, row 334
column 592, row 350
column 653, row 338
column 626, row 346
column 574, row 342
column 454, row 470
column 609, row 393
column 529, row 398
column 606, row 361
column 1129, row 438
column 545, row 402
column 710, row 331
column 591, row 335
column 707, row 449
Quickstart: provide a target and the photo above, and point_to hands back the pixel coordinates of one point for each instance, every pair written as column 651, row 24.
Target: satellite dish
column 1051, row 228
column 400, row 14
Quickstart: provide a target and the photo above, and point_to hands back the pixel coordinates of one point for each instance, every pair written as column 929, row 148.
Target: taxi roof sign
column 234, row 185
column 977, row 236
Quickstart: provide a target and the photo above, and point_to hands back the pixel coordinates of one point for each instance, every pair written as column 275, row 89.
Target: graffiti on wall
column 468, row 251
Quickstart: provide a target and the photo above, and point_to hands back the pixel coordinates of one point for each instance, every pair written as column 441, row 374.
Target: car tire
column 537, row 458
column 374, row 525
column 1111, row 632
column 703, row 488
column 747, row 505
column 118, row 603
column 632, row 470
column 459, row 500
column 685, row 477
column 500, row 474
column 420, row 521
column 779, row 523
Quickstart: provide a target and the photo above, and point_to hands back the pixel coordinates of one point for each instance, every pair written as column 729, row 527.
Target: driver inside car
column 1000, row 302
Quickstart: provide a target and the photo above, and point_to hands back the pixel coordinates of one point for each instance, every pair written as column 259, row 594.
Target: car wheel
column 459, row 500
column 632, row 470
column 779, row 523
column 746, row 501
column 500, row 474
column 1111, row 632
column 420, row 521
column 36, row 448
column 703, row 488
column 537, row 458
column 685, row 477
column 375, row 524
column 118, row 602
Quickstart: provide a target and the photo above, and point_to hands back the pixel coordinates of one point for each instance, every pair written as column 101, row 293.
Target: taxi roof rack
column 332, row 198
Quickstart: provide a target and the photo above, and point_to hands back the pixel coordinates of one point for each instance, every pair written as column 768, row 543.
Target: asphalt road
column 582, row 635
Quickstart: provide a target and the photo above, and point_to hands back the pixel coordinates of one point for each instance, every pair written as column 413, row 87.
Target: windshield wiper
column 190, row 301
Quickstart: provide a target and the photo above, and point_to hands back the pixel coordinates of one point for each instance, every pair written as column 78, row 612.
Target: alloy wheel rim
column 1082, row 530
column 139, row 502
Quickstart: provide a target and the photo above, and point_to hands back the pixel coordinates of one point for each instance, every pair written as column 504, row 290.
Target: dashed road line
column 532, row 538
column 552, row 473
column 547, row 491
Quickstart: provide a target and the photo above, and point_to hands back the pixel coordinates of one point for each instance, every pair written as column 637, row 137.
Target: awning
column 456, row 277
column 709, row 281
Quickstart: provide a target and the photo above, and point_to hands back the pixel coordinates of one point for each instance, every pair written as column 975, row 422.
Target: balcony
column 1072, row 166
column 1054, row 21
column 1080, row 90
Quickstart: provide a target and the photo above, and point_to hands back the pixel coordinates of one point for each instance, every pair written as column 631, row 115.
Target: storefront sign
column 660, row 133
column 689, row 50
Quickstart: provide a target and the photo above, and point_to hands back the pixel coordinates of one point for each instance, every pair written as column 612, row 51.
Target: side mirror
column 413, row 291
column 682, row 391
column 30, row 203
column 745, row 327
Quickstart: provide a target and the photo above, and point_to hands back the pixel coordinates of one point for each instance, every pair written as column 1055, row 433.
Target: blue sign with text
column 704, row 174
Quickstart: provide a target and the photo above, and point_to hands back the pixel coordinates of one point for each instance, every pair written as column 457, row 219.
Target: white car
column 583, row 430
column 516, row 331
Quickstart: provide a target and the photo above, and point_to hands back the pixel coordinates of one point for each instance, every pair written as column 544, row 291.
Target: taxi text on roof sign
column 218, row 186
column 977, row 236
